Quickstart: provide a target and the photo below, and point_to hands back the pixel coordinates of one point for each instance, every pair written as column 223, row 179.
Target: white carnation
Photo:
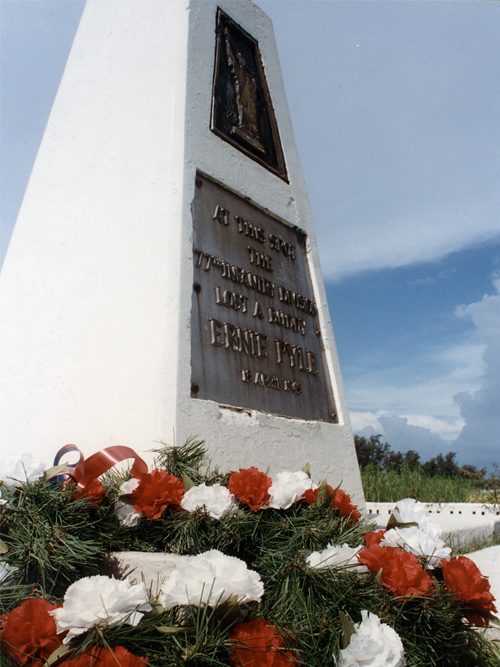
column 418, row 542
column 14, row 469
column 336, row 556
column 288, row 487
column 129, row 486
column 412, row 511
column 100, row 600
column 374, row 644
column 216, row 499
column 127, row 516
column 211, row 578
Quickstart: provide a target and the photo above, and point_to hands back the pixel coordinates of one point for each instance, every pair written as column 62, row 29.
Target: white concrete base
column 151, row 568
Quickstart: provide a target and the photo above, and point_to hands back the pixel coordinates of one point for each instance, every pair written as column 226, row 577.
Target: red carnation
column 462, row 576
column 310, row 496
column 29, row 632
column 374, row 538
column 401, row 572
column 93, row 493
column 251, row 487
column 106, row 657
column 258, row 644
column 342, row 502
column 156, row 491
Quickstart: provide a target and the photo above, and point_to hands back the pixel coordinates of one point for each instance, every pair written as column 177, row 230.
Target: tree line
column 373, row 452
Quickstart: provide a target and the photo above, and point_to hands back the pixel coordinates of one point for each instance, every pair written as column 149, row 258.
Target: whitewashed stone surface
column 96, row 288
column 151, row 568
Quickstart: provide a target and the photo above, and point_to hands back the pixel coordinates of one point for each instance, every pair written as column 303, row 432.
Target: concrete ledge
column 151, row 568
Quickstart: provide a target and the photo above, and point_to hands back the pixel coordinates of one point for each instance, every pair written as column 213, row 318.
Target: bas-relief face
column 255, row 338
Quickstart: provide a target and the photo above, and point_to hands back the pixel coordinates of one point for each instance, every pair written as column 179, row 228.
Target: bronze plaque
column 242, row 112
column 255, row 340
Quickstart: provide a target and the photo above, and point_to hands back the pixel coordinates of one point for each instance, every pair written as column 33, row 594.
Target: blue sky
column 395, row 109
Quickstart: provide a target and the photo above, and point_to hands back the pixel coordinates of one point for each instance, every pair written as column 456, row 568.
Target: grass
column 485, row 497
column 391, row 486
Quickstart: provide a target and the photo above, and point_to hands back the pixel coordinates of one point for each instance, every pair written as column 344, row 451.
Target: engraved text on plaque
column 255, row 336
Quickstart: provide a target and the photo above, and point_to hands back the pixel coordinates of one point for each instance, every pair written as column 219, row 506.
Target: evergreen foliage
column 54, row 540
column 51, row 538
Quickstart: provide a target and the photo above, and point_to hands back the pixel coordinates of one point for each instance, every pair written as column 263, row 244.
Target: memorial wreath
column 281, row 571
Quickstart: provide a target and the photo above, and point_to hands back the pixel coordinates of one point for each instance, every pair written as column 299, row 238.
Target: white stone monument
column 163, row 278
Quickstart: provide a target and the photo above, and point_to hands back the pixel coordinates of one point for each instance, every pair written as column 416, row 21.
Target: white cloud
column 403, row 436
column 421, row 390
column 481, row 408
column 447, row 430
column 365, row 420
column 442, row 275
column 421, row 281
column 430, row 416
column 407, row 237
column 426, row 434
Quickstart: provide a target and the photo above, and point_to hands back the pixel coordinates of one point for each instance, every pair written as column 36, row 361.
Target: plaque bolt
column 318, row 333
column 194, row 388
column 197, row 288
column 199, row 182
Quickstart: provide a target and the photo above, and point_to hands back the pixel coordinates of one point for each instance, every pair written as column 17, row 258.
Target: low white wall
column 460, row 523
column 467, row 509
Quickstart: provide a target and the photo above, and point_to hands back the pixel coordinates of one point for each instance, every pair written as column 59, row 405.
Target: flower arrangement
column 280, row 571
